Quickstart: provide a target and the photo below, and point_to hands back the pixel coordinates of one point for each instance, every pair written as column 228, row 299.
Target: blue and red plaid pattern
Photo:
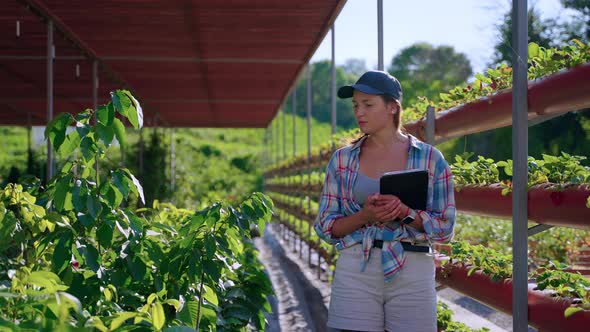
column 336, row 201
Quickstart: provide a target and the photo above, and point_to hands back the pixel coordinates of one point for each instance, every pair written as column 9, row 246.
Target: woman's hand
column 381, row 208
column 394, row 208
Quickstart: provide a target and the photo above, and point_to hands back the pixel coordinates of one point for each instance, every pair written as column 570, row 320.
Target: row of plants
column 542, row 62
column 74, row 256
column 571, row 287
column 556, row 244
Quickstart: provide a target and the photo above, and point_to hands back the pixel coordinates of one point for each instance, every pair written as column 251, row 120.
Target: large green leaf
column 120, row 318
column 79, row 195
column 56, row 129
column 114, row 197
column 88, row 148
column 62, row 197
column 158, row 317
column 106, row 114
column 136, row 188
column 119, row 130
column 105, row 133
column 135, row 116
column 90, row 254
column 62, row 253
column 189, row 312
column 93, row 205
column 122, row 183
column 70, row 144
column 104, row 233
column 121, row 102
column 210, row 295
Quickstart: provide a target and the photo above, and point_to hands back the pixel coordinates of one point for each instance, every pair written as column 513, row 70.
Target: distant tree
column 569, row 133
column 581, row 24
column 355, row 67
column 322, row 95
column 540, row 32
column 426, row 70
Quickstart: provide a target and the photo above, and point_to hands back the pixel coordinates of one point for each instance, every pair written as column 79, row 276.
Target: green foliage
column 538, row 32
column 445, row 322
column 562, row 170
column 558, row 244
column 567, row 285
column 91, row 263
column 425, row 70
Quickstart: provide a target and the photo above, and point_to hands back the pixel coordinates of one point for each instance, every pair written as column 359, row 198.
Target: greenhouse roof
column 192, row 63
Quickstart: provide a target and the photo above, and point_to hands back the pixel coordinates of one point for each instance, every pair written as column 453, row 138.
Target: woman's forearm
column 349, row 224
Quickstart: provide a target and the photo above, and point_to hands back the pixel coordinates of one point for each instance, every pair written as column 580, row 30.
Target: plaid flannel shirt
column 336, row 201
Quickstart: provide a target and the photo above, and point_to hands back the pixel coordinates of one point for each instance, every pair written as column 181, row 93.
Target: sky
column 467, row 25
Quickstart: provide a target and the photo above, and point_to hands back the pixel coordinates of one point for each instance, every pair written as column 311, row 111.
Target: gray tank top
column 363, row 187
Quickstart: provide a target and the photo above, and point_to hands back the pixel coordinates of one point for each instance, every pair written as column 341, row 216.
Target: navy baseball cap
column 374, row 82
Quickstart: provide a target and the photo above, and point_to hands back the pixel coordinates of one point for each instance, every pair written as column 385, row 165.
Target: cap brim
column 348, row 90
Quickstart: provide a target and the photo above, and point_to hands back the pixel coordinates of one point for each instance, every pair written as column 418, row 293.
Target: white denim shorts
column 362, row 301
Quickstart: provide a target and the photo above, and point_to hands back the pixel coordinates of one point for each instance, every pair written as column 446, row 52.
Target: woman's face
column 371, row 112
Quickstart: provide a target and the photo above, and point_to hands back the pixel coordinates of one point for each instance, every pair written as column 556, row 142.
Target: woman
column 384, row 279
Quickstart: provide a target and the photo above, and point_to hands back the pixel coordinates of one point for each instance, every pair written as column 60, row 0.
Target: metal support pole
column 50, row 55
column 380, row 35
column 172, row 161
column 519, row 155
column 333, row 81
column 430, row 122
column 309, row 160
column 95, row 106
column 284, row 133
column 30, row 160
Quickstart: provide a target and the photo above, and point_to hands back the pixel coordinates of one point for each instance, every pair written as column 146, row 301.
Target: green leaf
column 533, row 50
column 119, row 130
column 56, row 130
column 113, row 196
column 62, row 198
column 106, row 114
column 135, row 114
column 45, row 279
column 85, row 219
column 136, row 267
column 138, row 187
column 70, row 144
column 93, row 205
column 173, row 302
column 570, row 311
column 88, row 148
column 158, row 317
column 62, row 253
column 104, row 233
column 120, row 181
column 90, row 254
column 210, row 246
column 121, row 102
column 588, row 202
column 210, row 295
column 105, row 133
column 188, row 313
column 120, row 318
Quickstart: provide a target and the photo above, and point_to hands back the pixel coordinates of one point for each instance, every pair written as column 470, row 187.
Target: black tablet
column 411, row 186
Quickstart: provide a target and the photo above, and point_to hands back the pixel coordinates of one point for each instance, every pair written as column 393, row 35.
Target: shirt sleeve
column 439, row 219
column 330, row 208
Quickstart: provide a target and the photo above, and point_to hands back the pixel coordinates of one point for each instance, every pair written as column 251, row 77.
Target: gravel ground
column 302, row 299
